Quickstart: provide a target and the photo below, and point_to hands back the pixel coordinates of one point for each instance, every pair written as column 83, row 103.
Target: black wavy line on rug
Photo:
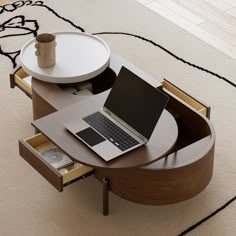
column 8, row 55
column 172, row 54
column 207, row 217
column 40, row 4
column 17, row 22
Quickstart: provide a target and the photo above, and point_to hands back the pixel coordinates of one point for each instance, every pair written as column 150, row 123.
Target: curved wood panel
column 181, row 175
column 55, row 98
column 161, row 186
column 53, row 126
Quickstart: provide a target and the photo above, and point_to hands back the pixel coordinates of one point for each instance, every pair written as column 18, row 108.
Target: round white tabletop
column 79, row 57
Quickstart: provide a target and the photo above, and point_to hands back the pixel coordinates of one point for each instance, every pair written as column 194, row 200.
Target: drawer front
column 31, row 150
column 22, row 80
column 188, row 99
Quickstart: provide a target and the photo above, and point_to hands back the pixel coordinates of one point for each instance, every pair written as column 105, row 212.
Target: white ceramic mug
column 46, row 50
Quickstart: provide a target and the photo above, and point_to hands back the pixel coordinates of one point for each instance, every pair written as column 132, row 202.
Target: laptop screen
column 136, row 102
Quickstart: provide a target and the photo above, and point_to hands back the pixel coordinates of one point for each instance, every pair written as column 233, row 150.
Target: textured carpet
column 31, row 206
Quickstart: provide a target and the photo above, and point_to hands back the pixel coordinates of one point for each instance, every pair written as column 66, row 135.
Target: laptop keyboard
column 110, row 131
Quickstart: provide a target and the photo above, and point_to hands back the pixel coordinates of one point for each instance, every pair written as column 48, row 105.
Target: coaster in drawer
column 56, row 158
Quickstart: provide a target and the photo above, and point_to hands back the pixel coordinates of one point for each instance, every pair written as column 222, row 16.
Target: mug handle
column 37, row 51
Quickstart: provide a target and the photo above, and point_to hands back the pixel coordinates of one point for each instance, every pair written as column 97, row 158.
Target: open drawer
column 173, row 90
column 22, row 80
column 33, row 151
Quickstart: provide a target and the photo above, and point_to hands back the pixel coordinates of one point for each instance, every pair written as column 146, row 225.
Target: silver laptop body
column 105, row 149
column 126, row 117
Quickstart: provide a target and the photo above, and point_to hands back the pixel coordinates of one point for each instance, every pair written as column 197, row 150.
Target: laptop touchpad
column 90, row 136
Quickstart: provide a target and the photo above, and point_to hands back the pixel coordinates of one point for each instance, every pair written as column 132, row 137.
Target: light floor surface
column 214, row 21
column 30, row 206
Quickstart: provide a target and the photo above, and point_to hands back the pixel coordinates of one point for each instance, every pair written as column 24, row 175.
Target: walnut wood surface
column 163, row 138
column 166, row 185
column 55, row 98
column 179, row 176
column 44, row 168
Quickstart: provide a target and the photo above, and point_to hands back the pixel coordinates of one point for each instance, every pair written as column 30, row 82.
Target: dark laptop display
column 136, row 102
column 127, row 119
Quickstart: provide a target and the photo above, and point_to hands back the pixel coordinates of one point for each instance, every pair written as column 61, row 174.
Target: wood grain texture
column 220, row 4
column 200, row 106
column 53, row 126
column 30, row 155
column 54, row 98
column 219, row 14
column 221, row 19
column 37, row 144
column 231, row 2
column 48, row 98
column 232, row 12
column 42, row 105
column 179, row 176
column 158, row 187
column 181, row 11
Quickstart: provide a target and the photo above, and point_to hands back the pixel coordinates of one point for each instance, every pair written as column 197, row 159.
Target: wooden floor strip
column 144, row 1
column 182, row 11
column 225, row 36
column 232, row 12
column 194, row 29
column 231, row 2
column 220, row 4
column 210, row 13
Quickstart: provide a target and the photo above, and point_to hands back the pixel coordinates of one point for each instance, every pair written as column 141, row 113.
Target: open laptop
column 127, row 119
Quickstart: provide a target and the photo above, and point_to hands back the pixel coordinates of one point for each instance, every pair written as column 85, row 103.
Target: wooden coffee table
column 180, row 170
column 53, row 126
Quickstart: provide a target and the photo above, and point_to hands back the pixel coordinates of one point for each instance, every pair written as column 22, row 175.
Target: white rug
column 31, row 206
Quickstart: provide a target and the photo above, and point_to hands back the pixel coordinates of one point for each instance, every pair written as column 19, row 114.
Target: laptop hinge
column 137, row 134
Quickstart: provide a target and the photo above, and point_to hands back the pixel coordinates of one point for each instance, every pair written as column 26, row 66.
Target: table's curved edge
column 53, row 125
column 48, row 98
column 124, row 180
column 207, row 146
column 159, row 186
